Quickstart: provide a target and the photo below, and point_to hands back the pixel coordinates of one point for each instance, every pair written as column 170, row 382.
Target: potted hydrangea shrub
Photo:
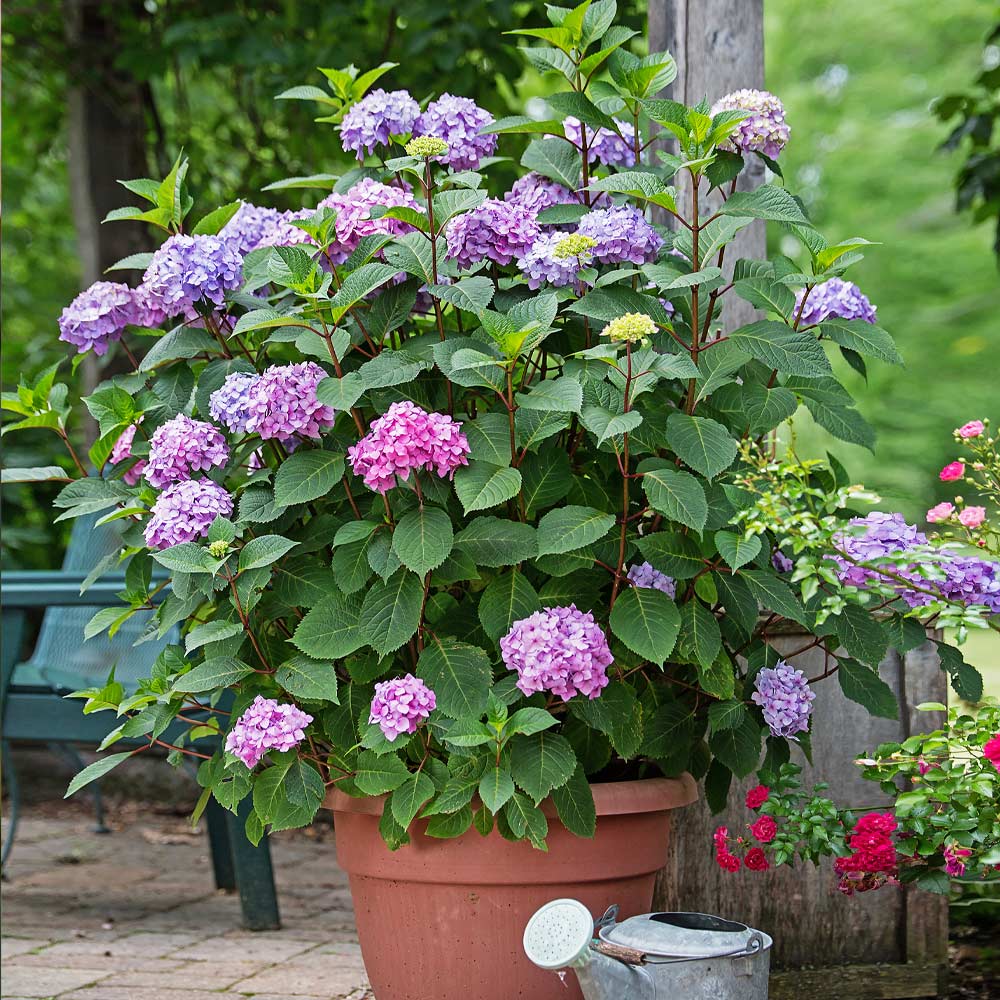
column 469, row 505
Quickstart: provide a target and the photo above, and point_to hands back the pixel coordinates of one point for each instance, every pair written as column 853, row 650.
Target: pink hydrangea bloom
column 122, row 451
column 266, row 725
column 181, row 447
column 951, row 472
column 407, row 439
column 282, row 402
column 457, row 120
column 763, row 131
column 536, row 193
column 401, row 704
column 622, row 234
column 185, row 511
column 972, row 517
column 940, row 512
column 354, row 219
column 971, row 430
column 562, row 650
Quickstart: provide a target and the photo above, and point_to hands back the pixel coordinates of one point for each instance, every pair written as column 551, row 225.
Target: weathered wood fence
column 890, row 943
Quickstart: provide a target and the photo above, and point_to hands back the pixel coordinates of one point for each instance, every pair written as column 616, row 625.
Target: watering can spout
column 561, row 936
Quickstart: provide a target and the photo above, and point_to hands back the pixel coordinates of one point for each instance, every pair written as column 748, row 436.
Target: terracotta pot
column 443, row 919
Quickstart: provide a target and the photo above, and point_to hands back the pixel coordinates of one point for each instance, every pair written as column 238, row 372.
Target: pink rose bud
column 971, row 430
column 952, row 471
column 972, row 517
column 940, row 512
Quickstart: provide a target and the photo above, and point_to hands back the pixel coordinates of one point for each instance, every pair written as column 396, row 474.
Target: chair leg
column 254, row 875
column 70, row 753
column 218, row 840
column 14, row 793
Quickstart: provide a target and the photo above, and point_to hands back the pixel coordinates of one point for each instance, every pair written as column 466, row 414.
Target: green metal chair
column 33, row 706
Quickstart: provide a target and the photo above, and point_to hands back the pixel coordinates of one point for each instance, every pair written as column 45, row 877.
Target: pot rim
column 611, row 798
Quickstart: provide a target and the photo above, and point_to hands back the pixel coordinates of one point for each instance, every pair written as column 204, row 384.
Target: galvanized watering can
column 656, row 956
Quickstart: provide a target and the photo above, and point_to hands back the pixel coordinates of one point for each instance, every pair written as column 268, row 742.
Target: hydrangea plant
column 459, row 490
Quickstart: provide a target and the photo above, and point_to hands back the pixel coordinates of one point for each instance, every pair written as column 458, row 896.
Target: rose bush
column 464, row 495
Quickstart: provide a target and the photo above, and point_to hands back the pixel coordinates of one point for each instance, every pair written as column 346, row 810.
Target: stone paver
column 135, row 916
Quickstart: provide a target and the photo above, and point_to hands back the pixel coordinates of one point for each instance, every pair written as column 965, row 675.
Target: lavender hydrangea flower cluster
column 497, row 230
column 190, row 269
column 781, row 562
column 183, row 446
column 253, row 227
column 884, row 536
column 562, row 650
column 646, row 575
column 147, row 309
column 407, row 439
column 541, row 264
column 535, row 193
column 185, row 511
column 972, row 581
column 97, row 316
column 266, row 725
column 457, row 120
column 375, row 118
column 354, row 220
column 401, row 704
column 837, row 298
column 764, row 131
column 229, row 405
column 603, row 144
column 622, row 234
column 122, row 451
column 282, row 403
column 786, row 698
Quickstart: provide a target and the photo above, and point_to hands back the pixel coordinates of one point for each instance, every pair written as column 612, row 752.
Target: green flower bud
column 574, row 245
column 426, row 145
column 218, row 549
column 631, row 327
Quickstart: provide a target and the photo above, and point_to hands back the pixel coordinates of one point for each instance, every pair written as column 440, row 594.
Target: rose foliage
column 454, row 488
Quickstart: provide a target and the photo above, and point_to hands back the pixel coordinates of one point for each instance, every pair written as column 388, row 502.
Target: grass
column 858, row 79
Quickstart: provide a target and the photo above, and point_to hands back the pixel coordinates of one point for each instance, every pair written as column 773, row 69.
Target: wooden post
column 719, row 47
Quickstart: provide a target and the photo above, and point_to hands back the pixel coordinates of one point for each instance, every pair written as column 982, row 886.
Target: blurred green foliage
column 857, row 78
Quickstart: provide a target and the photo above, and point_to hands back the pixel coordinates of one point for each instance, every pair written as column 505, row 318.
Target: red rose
column 764, row 829
column 755, row 860
column 756, row 797
column 727, row 862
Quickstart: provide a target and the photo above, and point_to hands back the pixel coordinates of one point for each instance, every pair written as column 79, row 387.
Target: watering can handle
column 630, row 956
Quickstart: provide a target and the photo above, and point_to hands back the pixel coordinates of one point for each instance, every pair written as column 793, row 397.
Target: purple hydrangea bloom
column 457, row 120
column 539, row 263
column 786, row 698
column 282, row 402
column 646, row 575
column 266, row 725
column 535, row 193
column 354, row 219
column 562, row 650
column 622, row 234
column 603, row 144
column 185, row 511
column 496, row 230
column 837, row 298
column 183, row 446
column 122, row 451
column 253, row 227
column 401, row 704
column 375, row 118
column 407, row 439
column 97, row 316
column 781, row 562
column 972, row 581
column 764, row 131
column 190, row 269
column 884, row 535
column 229, row 405
column 147, row 307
